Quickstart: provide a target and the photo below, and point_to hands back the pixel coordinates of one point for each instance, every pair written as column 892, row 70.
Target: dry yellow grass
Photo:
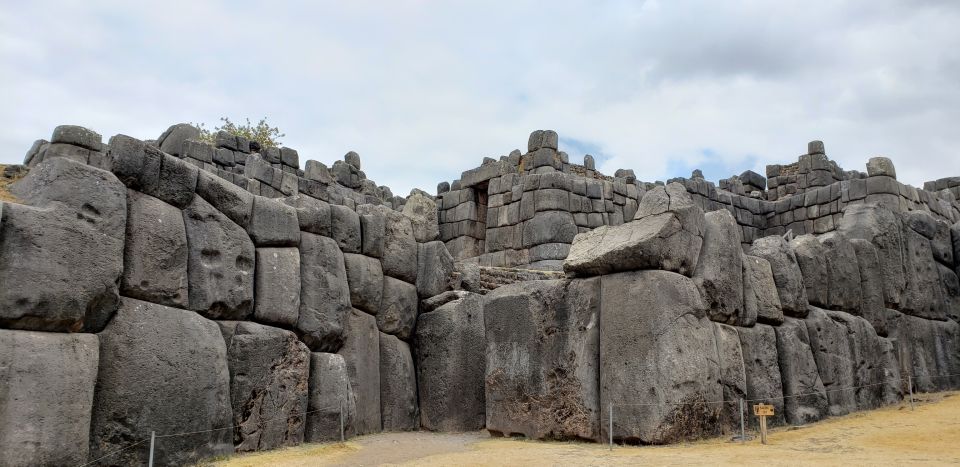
column 890, row 436
column 5, row 183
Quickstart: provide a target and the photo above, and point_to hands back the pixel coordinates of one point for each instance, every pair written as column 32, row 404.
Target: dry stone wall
column 222, row 297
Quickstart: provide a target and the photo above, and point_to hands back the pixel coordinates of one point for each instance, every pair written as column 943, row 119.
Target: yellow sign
column 763, row 410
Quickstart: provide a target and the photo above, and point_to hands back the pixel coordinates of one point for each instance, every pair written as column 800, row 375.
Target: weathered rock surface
column 871, row 285
column 220, row 263
column 843, row 273
column 345, row 228
column 155, row 252
column 720, row 285
column 760, row 299
column 399, row 248
column 365, row 279
column 277, row 286
column 398, row 309
column 812, row 258
column 868, row 354
column 733, row 378
column 667, row 234
column 361, row 352
column 805, row 399
column 922, row 296
column 171, row 141
column 269, row 372
column 786, row 273
column 398, row 386
column 233, row 201
column 62, row 257
column 47, row 382
column 435, row 269
column 324, row 294
column 148, row 346
column 828, row 342
column 541, row 359
column 449, row 351
column 882, row 228
column 273, row 223
column 762, row 368
column 669, row 363
column 313, row 215
column 331, row 396
column 950, row 286
column 422, row 212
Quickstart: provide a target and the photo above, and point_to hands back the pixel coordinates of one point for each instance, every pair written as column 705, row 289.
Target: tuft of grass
column 5, row 183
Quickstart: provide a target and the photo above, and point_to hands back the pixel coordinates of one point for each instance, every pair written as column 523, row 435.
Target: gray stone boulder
column 313, row 215
column 77, row 136
column 331, row 397
column 667, row 234
column 398, row 309
column 135, row 163
column 176, row 182
column 422, row 211
column 449, row 352
column 273, row 223
column 831, row 350
column 269, row 373
column 361, row 352
column 365, row 279
column 733, row 378
column 877, row 166
column 146, row 347
column 661, row 376
column 155, row 252
column 871, row 285
column 720, row 257
column 922, row 296
column 171, row 141
column 220, row 263
column 277, row 286
column 47, row 383
column 883, row 229
column 345, row 228
column 543, row 385
column 950, row 286
column 548, row 227
column 941, row 244
column 762, row 369
column 872, row 376
column 324, row 294
column 61, row 257
column 812, row 258
column 805, row 400
column 399, row 248
column 843, row 273
column 435, row 269
column 373, row 225
column 233, row 201
column 760, row 299
column 398, row 386
column 786, row 273
column 429, row 304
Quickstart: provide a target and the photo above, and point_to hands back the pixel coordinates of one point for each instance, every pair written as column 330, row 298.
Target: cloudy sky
column 425, row 89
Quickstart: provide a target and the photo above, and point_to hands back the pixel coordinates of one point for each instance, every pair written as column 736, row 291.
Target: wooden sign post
column 763, row 411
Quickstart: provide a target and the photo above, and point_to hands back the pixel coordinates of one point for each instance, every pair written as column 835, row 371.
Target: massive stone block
column 667, row 234
column 233, row 201
column 176, row 182
column 950, row 286
column 331, row 397
column 269, row 372
column 543, row 384
column 313, row 215
column 669, row 364
column 373, row 225
column 398, row 386
column 872, row 376
column 762, row 369
column 422, row 212
column 805, row 399
column 786, row 273
column 155, row 252
column 760, row 299
column 922, row 296
column 871, row 286
column 277, row 286
column 435, row 269
column 171, row 141
column 61, row 258
column 720, row 257
column 273, row 223
column 929, row 352
column 828, row 342
column 548, row 227
column 148, row 347
column 345, row 228
column 449, row 352
column 398, row 310
column 883, row 229
column 843, row 273
column 361, row 352
column 399, row 248
column 812, row 258
column 47, row 383
column 365, row 278
column 733, row 378
column 220, row 264
column 324, row 294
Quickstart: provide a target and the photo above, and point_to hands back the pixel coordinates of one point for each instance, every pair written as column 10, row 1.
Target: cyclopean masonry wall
column 230, row 301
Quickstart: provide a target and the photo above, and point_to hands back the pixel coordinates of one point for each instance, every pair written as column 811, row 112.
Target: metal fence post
column 910, row 387
column 153, row 436
column 610, row 430
column 341, row 421
column 743, row 437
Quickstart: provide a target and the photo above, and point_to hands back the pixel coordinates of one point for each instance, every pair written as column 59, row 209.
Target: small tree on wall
column 262, row 132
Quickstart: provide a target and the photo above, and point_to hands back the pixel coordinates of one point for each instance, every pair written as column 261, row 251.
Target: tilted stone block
column 273, row 223
column 365, row 279
column 805, row 399
column 399, row 410
column 277, row 286
column 155, row 252
column 330, row 397
column 361, row 352
column 398, row 309
column 324, row 294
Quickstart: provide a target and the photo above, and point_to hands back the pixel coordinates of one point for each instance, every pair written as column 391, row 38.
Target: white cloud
column 424, row 90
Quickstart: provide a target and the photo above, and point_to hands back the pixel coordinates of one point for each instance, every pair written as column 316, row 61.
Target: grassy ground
column 5, row 183
column 894, row 435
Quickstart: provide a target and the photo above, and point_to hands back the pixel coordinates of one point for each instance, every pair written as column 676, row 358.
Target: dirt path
column 889, row 436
